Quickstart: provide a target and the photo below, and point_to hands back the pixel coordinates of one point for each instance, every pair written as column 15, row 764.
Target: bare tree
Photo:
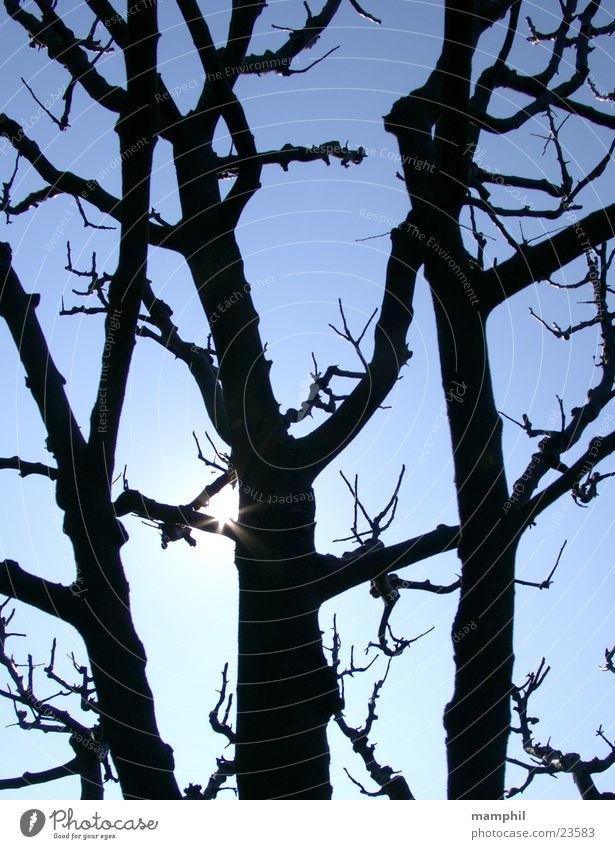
column 456, row 204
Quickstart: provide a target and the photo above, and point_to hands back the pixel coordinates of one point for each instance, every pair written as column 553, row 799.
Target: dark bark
column 477, row 719
column 29, row 779
column 286, row 692
column 144, row 763
column 89, row 769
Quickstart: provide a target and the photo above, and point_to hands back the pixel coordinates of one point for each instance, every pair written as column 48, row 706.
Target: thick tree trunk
column 286, row 692
column 477, row 719
column 144, row 763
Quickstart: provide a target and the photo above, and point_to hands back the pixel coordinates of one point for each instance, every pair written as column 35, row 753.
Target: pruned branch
column 91, row 752
column 320, row 386
column 546, row 584
column 380, row 523
column 362, row 566
column 222, row 464
column 68, row 50
column 225, row 769
column 390, row 354
column 84, row 689
column 66, row 182
column 358, row 8
column 280, row 60
column 346, row 333
column 547, row 759
column 174, row 522
column 228, row 166
column 45, row 382
column 569, row 480
column 55, row 599
column 609, row 666
column 539, row 262
column 557, row 442
column 221, row 725
column 386, row 587
column 390, row 782
column 25, row 468
column 197, row 358
column 46, row 716
column 29, row 779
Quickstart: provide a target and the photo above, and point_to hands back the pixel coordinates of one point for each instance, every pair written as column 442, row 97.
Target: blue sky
column 299, row 238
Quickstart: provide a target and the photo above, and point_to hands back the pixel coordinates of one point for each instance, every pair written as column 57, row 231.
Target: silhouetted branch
column 45, row 382
column 358, row 8
column 539, row 262
column 84, row 689
column 91, row 752
column 29, row 779
column 197, row 358
column 225, row 768
column 55, row 599
column 320, row 386
column 549, row 760
column 66, row 182
column 379, row 524
column 169, row 517
column 546, row 584
column 390, row 354
column 361, row 566
column 609, row 666
column 228, row 166
column 557, row 442
column 391, row 783
column 280, row 61
column 24, row 468
column 68, row 50
column 383, row 588
column 221, row 726
column 569, row 480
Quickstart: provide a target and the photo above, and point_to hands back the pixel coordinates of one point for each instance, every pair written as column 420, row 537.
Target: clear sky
column 299, row 238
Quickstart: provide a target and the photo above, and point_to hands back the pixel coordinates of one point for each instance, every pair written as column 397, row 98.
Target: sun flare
column 225, row 505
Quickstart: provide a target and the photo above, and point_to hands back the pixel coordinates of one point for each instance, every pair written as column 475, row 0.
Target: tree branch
column 63, row 46
column 66, row 182
column 599, row 448
column 55, row 599
column 228, row 166
column 131, row 501
column 390, row 353
column 343, row 573
column 280, row 60
column 551, row 761
column 390, row 782
column 44, row 381
column 136, row 130
column 28, row 779
column 24, row 468
column 538, row 262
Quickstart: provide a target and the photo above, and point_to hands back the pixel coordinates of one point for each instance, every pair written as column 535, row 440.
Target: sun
column 225, row 505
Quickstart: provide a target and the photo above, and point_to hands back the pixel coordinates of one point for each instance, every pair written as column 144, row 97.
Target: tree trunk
column 144, row 763
column 477, row 719
column 286, row 692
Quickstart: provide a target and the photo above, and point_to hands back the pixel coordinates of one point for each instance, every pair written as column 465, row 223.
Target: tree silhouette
column 287, row 692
